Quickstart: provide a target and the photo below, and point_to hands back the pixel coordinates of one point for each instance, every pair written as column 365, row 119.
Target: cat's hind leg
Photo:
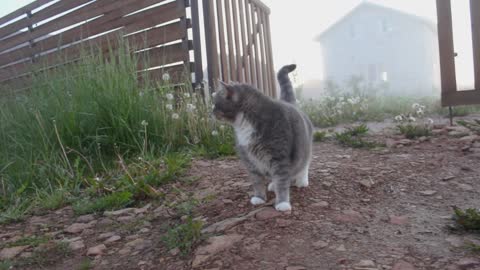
column 282, row 193
column 302, row 178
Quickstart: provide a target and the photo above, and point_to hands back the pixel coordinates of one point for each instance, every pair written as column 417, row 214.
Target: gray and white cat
column 273, row 137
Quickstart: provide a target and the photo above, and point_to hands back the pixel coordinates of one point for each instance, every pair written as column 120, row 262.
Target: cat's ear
column 229, row 90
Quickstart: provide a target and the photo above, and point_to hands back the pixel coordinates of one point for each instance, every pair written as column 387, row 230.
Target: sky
column 295, row 24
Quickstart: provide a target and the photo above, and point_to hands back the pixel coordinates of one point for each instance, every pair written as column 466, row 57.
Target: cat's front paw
column 257, row 201
column 283, row 207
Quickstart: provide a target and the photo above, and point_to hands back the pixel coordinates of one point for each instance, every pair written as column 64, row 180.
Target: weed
column 184, row 236
column 412, row 131
column 468, row 220
column 354, row 137
column 16, row 211
column 319, row 136
column 49, row 254
column 86, row 264
column 32, row 241
column 6, row 265
column 114, row 201
column 53, row 201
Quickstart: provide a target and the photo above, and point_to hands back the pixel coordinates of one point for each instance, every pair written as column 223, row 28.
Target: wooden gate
column 239, row 44
column 451, row 96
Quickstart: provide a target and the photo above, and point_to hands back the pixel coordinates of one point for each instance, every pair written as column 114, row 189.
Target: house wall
column 380, row 40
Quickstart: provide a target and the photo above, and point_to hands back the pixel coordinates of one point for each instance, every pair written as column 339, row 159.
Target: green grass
column 86, row 264
column 32, row 241
column 319, row 136
column 114, row 201
column 184, row 236
column 413, row 131
column 468, row 219
column 50, row 254
column 355, row 137
column 96, row 120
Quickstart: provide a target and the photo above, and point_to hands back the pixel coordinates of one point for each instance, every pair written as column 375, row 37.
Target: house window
column 385, row 76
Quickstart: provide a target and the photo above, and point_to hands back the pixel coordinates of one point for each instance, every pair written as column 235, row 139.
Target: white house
column 383, row 45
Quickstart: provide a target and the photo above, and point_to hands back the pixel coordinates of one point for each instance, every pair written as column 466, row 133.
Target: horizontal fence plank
column 109, row 21
column 459, row 98
column 19, row 12
column 40, row 16
column 177, row 73
column 162, row 56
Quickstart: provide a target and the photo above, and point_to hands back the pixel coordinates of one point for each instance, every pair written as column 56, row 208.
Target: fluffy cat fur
column 273, row 137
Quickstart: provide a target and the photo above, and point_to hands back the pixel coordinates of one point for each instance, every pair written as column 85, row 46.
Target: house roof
column 366, row 4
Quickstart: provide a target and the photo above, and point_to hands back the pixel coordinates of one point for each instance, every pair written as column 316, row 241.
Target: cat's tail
column 286, row 88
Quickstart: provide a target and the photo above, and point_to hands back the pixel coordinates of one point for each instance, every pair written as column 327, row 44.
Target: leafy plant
column 319, row 136
column 354, row 137
column 114, row 201
column 468, row 219
column 184, row 236
column 414, row 131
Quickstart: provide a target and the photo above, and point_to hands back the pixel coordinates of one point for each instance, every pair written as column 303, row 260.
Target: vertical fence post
column 31, row 42
column 197, row 44
column 211, row 43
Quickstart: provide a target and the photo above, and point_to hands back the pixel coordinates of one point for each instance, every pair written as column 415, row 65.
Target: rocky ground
column 387, row 208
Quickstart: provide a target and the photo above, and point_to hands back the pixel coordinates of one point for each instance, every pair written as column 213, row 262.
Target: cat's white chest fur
column 243, row 130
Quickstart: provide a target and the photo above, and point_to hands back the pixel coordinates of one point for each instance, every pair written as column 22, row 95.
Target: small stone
column 322, row 204
column 326, row 185
column 104, row 236
column 142, row 210
column 365, row 263
column 455, row 241
column 267, row 213
column 215, row 245
column 77, row 245
column 295, row 268
column 85, row 218
column 468, row 263
column 125, row 219
column 405, row 142
column 124, row 251
column 12, row 252
column 320, row 244
column 471, row 138
column 398, row 220
column 366, row 183
column 144, row 230
column 428, row 192
column 403, row 265
column 448, row 178
column 390, row 143
column 112, row 239
column 105, row 222
column 96, row 250
column 77, row 228
column 341, row 248
column 283, row 223
column 465, row 187
column 174, row 252
column 349, row 216
column 139, row 244
column 121, row 212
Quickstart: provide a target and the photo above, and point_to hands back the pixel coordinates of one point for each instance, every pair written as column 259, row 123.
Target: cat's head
column 230, row 100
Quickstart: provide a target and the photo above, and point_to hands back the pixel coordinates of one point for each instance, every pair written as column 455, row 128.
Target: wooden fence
column 56, row 33
column 240, row 31
column 450, row 94
column 235, row 35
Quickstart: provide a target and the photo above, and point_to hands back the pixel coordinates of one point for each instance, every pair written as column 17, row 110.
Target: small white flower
column 140, row 158
column 175, row 116
column 196, row 140
column 415, row 106
column 169, row 107
column 412, row 119
column 166, row 77
column 187, row 95
column 214, row 94
column 169, row 96
column 430, row 121
column 190, row 108
column 98, row 179
column 420, row 111
column 214, row 133
column 140, row 94
column 144, row 123
column 222, row 127
column 399, row 118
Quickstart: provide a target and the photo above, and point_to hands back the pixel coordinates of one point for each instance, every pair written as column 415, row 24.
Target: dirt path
column 364, row 209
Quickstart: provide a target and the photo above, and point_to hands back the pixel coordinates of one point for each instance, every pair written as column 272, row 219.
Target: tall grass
column 77, row 121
